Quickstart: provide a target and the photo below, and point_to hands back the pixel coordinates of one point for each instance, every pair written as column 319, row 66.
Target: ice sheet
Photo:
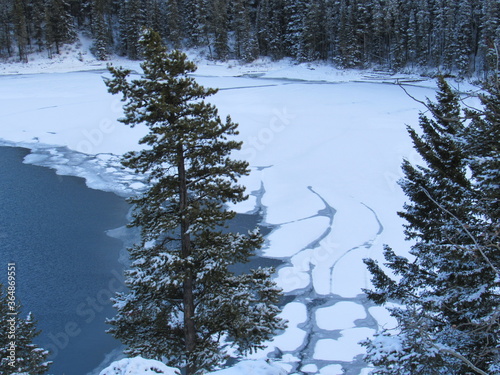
column 325, row 157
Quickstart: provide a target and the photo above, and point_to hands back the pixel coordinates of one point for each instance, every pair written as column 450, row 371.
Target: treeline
column 449, row 35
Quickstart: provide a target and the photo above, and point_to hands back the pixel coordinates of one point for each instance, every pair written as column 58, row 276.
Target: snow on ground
column 325, row 147
column 141, row 366
column 138, row 366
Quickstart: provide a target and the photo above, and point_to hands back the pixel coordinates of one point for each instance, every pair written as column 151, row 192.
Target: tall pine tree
column 184, row 301
column 446, row 296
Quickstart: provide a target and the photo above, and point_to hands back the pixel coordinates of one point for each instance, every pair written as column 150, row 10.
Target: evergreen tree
column 400, row 18
column 449, row 35
column 173, row 23
column 184, row 301
column 412, row 38
column 19, row 333
column 294, row 12
column 196, row 22
column 447, row 312
column 132, row 19
column 247, row 48
column 21, row 30
column 424, row 32
column 482, row 144
column 263, row 26
column 457, row 37
column 36, row 23
column 380, row 34
column 154, row 15
column 271, row 28
column 315, row 38
column 466, row 37
column 101, row 31
column 490, row 33
column 350, row 48
column 59, row 28
column 6, row 27
column 220, row 27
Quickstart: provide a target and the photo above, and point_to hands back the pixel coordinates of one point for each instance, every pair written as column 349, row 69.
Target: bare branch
column 460, row 357
column 464, row 227
column 425, row 335
column 429, row 108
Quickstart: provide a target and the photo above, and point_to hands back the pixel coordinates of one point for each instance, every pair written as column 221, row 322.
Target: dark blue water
column 53, row 228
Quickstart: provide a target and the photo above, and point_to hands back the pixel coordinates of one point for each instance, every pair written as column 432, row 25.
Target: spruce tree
column 424, row 32
column 315, row 38
column 132, row 19
column 196, row 14
column 184, row 301
column 483, row 150
column 21, row 30
column 446, row 299
column 294, row 13
column 220, row 28
column 6, row 10
column 19, row 333
column 37, row 23
column 59, row 28
column 247, row 48
column 173, row 23
column 101, row 32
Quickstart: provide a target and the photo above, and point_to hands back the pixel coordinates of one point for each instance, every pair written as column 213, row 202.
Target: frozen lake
column 325, row 151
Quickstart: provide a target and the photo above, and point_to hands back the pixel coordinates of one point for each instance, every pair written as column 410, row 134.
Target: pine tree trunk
column 188, row 298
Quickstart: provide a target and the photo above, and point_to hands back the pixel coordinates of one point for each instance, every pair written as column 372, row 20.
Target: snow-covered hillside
column 325, row 148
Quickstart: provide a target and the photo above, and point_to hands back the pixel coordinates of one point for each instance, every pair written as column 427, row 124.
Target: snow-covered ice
column 251, row 368
column 345, row 348
column 325, row 147
column 341, row 315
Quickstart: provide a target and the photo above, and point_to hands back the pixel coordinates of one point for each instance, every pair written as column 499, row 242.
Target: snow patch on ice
column 339, row 316
column 332, row 370
column 252, row 368
column 345, row 348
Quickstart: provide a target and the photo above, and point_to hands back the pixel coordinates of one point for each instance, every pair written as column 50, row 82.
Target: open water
column 54, row 229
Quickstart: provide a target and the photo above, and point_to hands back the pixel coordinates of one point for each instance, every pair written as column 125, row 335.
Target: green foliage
column 184, row 302
column 446, row 295
column 457, row 37
column 59, row 28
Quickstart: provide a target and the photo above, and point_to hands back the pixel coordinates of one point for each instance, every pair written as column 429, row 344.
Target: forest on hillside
column 450, row 36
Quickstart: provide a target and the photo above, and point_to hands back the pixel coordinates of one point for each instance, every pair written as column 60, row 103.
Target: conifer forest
column 450, row 37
